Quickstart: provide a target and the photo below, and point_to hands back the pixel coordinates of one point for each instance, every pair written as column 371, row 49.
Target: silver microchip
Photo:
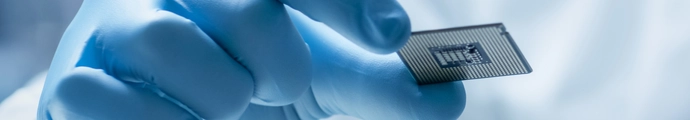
column 463, row 53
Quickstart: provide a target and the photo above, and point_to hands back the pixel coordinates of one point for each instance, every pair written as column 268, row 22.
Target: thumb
column 352, row 81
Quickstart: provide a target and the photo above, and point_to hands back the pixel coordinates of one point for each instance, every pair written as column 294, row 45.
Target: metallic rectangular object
column 463, row 53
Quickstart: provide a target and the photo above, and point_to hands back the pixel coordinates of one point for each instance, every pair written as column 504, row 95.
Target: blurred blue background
column 592, row 59
column 29, row 33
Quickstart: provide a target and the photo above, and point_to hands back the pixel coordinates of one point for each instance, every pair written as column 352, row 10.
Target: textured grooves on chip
column 504, row 57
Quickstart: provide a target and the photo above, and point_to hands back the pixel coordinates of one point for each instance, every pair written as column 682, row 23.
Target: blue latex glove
column 185, row 59
column 349, row 80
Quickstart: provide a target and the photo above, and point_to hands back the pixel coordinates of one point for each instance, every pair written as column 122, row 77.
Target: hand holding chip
column 211, row 59
column 351, row 81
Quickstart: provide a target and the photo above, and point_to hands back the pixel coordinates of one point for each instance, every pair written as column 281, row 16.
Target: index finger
column 379, row 26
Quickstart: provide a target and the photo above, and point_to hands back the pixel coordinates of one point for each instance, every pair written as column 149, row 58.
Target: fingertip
column 447, row 100
column 390, row 28
column 378, row 26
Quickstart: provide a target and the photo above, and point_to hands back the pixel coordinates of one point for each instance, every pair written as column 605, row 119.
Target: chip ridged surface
column 435, row 56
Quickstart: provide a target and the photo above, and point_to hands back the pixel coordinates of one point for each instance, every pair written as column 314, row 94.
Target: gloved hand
column 187, row 59
column 349, row 80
